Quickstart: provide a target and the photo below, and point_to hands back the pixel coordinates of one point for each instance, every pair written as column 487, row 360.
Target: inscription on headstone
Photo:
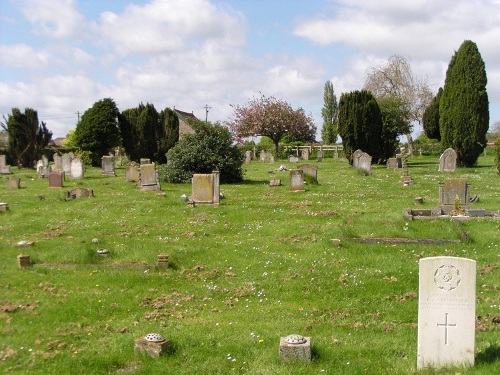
column 446, row 312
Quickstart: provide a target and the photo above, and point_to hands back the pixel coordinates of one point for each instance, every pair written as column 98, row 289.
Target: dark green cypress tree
column 463, row 109
column 360, row 123
column 167, row 133
column 430, row 119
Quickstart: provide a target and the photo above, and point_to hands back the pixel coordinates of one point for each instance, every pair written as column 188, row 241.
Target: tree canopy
column 27, row 136
column 329, row 112
column 273, row 118
column 360, row 123
column 209, row 148
column 98, row 130
column 463, row 109
column 430, row 120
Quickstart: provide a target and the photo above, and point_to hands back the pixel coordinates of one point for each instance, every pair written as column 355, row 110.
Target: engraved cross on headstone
column 446, row 325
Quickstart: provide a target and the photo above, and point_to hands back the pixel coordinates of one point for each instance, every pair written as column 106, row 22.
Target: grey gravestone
column 449, row 190
column 4, row 168
column 248, row 156
column 148, row 178
column 14, row 183
column 57, row 162
column 66, row 162
column 446, row 312
column 392, row 163
column 293, row 159
column 132, row 172
column 205, row 188
column 305, row 154
column 319, row 155
column 77, row 168
column 448, row 160
column 45, row 160
column 365, row 163
column 108, row 165
column 275, row 182
column 297, row 180
column 355, row 158
column 266, row 156
column 56, row 179
column 310, row 170
column 79, row 193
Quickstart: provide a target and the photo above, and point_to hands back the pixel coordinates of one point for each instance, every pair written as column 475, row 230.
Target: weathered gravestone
column 56, row 179
column 248, row 156
column 79, row 193
column 297, row 180
column 108, row 165
column 14, row 183
column 205, row 188
column 42, row 169
column 4, row 168
column 446, row 312
column 319, row 156
column 293, row 159
column 295, row 348
column 66, row 162
column 449, row 190
column 448, row 160
column 305, row 154
column 267, row 157
column 148, row 178
column 392, row 163
column 132, row 172
column 355, row 158
column 77, row 168
column 309, row 170
column 57, row 162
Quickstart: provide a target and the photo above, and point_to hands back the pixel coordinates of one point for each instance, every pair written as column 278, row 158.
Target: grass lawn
column 260, row 266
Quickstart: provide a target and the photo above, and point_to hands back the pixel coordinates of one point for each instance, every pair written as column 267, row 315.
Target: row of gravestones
column 269, row 157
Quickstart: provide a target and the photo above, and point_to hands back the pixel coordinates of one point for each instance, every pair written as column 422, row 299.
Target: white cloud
column 55, row 18
column 23, row 56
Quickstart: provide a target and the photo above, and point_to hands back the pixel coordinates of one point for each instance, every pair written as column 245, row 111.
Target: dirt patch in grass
column 397, row 240
column 9, row 306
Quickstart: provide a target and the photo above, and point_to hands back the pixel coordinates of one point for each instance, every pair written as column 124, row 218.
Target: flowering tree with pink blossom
column 273, row 118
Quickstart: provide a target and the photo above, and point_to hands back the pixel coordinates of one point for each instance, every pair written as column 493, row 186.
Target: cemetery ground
column 264, row 264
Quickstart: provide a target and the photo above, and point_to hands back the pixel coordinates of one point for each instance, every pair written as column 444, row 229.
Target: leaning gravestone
column 66, row 162
column 446, row 312
column 355, row 158
column 448, row 160
column 297, row 180
column 365, row 163
column 205, row 188
column 77, row 168
column 108, row 165
column 148, row 178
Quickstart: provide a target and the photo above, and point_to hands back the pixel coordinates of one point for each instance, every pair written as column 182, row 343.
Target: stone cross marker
column 446, row 312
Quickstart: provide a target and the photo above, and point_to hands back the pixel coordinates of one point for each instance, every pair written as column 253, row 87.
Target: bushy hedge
column 497, row 154
column 209, row 148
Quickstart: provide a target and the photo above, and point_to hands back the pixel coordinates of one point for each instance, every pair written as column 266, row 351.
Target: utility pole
column 78, row 114
column 206, row 112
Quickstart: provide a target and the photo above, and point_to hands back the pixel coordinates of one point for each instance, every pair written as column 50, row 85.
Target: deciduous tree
column 463, row 109
column 273, row 118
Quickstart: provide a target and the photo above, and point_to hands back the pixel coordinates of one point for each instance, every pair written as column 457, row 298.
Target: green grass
column 259, row 266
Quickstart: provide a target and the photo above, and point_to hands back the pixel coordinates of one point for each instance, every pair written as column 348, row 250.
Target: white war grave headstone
column 446, row 312
column 77, row 168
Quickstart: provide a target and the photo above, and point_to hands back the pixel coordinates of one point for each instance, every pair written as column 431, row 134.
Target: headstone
column 145, row 161
column 4, row 168
column 205, row 188
column 365, row 163
column 4, row 206
column 310, row 170
column 14, row 183
column 66, row 162
column 275, row 182
column 108, row 165
column 79, row 193
column 448, row 160
column 267, row 157
column 295, row 348
column 305, row 154
column 248, row 156
column 446, row 312
column 355, row 158
column 449, row 190
column 45, row 160
column 405, row 179
column 297, row 180
column 162, row 261
column 56, row 179
column 77, row 168
column 392, row 163
column 132, row 172
column 23, row 261
column 148, row 178
column 57, row 162
column 293, row 159
column 42, row 169
column 319, row 156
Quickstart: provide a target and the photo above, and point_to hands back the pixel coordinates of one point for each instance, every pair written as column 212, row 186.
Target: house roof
column 185, row 115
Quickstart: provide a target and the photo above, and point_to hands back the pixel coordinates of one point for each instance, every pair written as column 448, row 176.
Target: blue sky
column 61, row 56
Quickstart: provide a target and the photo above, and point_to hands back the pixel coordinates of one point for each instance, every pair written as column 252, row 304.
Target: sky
column 59, row 57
